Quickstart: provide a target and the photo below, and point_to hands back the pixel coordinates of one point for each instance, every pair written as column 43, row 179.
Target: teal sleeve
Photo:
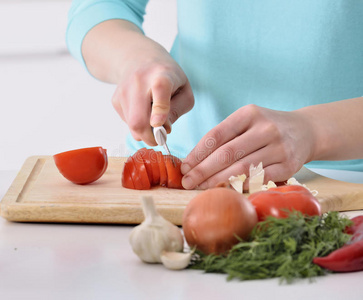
column 85, row 14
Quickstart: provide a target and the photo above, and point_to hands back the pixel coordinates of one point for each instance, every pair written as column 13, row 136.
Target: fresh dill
column 281, row 248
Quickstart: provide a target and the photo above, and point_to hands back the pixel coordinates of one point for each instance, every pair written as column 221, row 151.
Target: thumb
column 161, row 92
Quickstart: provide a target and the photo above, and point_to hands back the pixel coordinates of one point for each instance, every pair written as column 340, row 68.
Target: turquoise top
column 279, row 54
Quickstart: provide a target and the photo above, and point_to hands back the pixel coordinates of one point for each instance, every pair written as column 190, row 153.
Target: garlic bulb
column 154, row 235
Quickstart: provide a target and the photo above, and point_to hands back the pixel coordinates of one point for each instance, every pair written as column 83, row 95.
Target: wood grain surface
column 40, row 193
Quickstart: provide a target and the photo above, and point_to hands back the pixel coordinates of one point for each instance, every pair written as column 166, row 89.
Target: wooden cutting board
column 40, row 193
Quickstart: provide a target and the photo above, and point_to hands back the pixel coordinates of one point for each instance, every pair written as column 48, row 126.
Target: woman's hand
column 152, row 89
column 282, row 141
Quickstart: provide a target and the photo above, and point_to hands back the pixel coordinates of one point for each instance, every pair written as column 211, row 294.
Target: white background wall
column 48, row 102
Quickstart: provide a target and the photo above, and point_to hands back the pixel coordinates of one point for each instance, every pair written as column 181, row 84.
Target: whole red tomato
column 82, row 166
column 278, row 202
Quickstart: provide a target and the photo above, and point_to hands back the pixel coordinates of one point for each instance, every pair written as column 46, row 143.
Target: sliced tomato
column 126, row 178
column 134, row 173
column 141, row 173
column 147, row 168
column 155, row 166
column 82, row 166
column 162, row 168
column 173, row 171
column 147, row 162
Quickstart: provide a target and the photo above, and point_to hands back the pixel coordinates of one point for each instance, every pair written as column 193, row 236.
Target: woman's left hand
column 282, row 141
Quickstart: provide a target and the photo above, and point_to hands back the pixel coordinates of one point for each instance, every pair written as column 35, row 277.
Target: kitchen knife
column 160, row 138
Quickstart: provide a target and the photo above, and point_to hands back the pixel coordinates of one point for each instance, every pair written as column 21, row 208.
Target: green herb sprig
column 281, row 248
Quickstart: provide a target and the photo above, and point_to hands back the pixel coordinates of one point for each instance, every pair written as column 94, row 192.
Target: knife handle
column 160, row 135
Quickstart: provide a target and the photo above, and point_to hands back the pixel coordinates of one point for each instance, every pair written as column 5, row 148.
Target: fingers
column 233, row 126
column 132, row 102
column 141, row 107
column 275, row 169
column 182, row 101
column 161, row 92
column 231, row 153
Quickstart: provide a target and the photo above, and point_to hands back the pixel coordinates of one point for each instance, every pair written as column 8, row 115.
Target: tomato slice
column 126, row 179
column 82, row 166
column 155, row 166
column 147, row 162
column 141, row 173
column 174, row 173
column 134, row 174
column 162, row 169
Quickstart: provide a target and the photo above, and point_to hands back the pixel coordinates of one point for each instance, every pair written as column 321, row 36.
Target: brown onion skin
column 213, row 218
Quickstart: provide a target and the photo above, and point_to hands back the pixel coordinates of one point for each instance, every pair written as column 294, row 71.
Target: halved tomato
column 82, row 166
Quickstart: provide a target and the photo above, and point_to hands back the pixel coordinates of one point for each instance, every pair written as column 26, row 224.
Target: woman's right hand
column 152, row 89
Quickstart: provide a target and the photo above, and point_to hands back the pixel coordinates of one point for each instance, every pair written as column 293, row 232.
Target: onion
column 213, row 219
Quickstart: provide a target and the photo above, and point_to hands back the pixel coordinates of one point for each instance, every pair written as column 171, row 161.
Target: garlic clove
column 175, row 260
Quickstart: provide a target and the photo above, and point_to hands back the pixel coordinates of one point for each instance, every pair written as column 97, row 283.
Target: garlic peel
column 257, row 175
column 237, row 182
column 293, row 181
column 176, row 260
column 154, row 235
column 270, row 184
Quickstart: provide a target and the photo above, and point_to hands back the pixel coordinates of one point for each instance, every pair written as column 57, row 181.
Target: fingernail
column 203, row 186
column 185, row 168
column 157, row 120
column 187, row 182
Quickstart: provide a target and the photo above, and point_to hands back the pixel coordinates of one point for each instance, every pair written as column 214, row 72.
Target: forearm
column 110, row 45
column 337, row 128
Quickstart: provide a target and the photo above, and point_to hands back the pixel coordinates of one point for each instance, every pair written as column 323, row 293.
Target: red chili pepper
column 278, row 202
column 349, row 258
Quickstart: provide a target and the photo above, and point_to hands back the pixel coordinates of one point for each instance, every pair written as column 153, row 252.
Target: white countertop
column 71, row 261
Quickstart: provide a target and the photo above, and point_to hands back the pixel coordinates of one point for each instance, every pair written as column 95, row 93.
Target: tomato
column 174, row 174
column 130, row 165
column 152, row 167
column 147, row 162
column 127, row 181
column 147, row 168
column 162, row 168
column 278, row 202
column 155, row 166
column 82, row 166
column 141, row 172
